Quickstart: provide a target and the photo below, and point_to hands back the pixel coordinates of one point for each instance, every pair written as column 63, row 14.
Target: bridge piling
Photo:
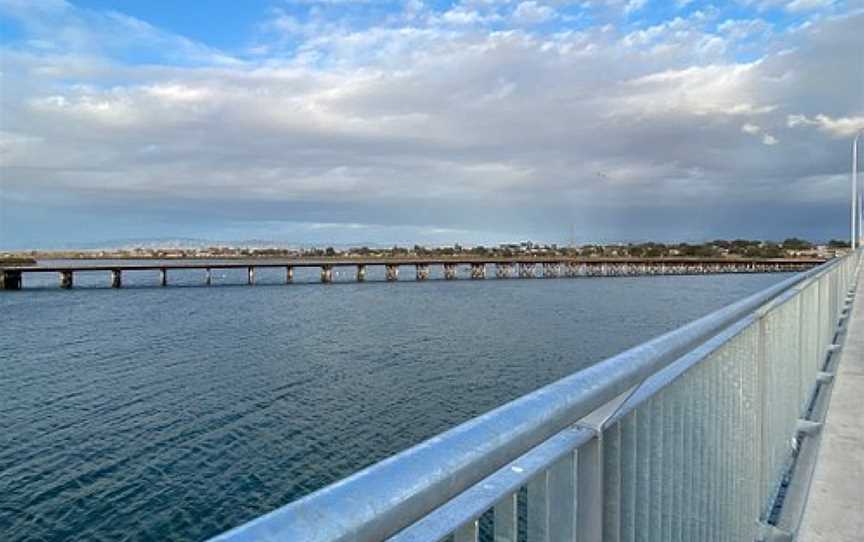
column 66, row 279
column 116, row 278
column 163, row 277
column 478, row 271
column 450, row 271
column 361, row 272
column 289, row 274
column 326, row 274
column 207, row 277
column 251, row 275
column 10, row 280
column 503, row 270
column 422, row 271
column 391, row 272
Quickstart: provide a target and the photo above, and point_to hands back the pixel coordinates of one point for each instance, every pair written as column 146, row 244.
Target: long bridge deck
column 522, row 267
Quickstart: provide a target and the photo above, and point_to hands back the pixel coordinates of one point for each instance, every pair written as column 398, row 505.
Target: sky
column 432, row 122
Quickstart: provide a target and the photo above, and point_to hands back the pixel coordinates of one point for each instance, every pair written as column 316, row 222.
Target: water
column 173, row 414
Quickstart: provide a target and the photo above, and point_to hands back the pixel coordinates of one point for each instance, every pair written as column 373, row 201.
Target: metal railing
column 685, row 437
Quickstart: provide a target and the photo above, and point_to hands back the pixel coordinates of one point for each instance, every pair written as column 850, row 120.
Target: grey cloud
column 450, row 130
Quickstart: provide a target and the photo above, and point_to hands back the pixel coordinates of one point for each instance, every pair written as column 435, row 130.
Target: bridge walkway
column 835, row 508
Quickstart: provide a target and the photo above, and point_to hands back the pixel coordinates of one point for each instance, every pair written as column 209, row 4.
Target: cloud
column 634, row 5
column 835, row 127
column 769, row 140
column 739, row 29
column 808, row 5
column 450, row 122
column 532, row 13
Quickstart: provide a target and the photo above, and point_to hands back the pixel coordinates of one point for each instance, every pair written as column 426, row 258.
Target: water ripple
column 174, row 414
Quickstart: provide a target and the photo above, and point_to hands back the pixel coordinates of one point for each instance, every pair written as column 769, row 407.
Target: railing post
column 507, row 519
column 761, row 426
column 562, row 498
column 538, row 508
column 589, row 493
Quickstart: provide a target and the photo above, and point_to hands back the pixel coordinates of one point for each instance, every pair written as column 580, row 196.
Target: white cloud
column 751, row 129
column 739, row 29
column 725, row 90
column 634, row 5
column 769, row 140
column 808, row 5
column 531, row 12
column 835, row 127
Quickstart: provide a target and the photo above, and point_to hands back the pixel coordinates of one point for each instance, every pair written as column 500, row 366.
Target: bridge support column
column 250, row 275
column 327, row 274
column 207, row 276
column 361, row 272
column 289, row 274
column 422, row 271
column 65, row 279
column 503, row 270
column 526, row 270
column 391, row 272
column 163, row 277
column 450, row 271
column 478, row 271
column 10, row 280
column 116, row 278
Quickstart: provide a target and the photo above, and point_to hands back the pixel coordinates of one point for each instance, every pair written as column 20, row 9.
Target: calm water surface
column 173, row 414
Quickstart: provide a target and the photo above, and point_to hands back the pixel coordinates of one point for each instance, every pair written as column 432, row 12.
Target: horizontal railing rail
column 685, row 434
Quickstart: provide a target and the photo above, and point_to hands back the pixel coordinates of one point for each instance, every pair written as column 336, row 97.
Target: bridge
column 708, row 432
column 11, row 278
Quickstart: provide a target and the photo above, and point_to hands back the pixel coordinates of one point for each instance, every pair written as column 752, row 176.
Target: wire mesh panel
column 681, row 466
column 703, row 457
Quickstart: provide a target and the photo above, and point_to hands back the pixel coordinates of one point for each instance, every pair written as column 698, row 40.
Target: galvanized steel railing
column 686, row 437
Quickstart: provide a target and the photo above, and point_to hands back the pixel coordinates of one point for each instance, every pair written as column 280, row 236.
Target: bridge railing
column 688, row 436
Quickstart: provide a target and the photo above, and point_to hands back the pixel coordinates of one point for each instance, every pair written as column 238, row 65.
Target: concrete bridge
column 11, row 278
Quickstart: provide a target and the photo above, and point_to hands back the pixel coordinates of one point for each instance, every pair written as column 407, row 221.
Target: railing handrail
column 382, row 499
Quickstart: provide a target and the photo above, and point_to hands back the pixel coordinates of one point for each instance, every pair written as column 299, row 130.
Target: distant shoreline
column 721, row 250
